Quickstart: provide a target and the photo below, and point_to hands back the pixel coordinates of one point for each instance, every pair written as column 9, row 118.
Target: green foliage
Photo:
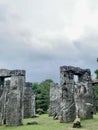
column 35, row 87
column 96, row 91
column 96, row 72
column 41, row 91
column 96, row 96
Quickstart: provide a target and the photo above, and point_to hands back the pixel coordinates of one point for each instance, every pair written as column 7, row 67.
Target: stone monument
column 55, row 99
column 29, row 101
column 77, row 98
column 11, row 98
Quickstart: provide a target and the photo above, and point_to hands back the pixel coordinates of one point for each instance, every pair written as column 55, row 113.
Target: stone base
column 77, row 123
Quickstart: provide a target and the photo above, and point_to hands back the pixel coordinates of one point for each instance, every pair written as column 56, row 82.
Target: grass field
column 47, row 123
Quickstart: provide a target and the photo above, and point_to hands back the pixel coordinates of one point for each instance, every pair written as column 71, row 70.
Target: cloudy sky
column 42, row 35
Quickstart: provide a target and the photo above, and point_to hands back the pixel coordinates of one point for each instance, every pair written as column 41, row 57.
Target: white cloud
column 48, row 33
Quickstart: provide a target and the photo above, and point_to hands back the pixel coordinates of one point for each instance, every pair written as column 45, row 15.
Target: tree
column 42, row 94
column 96, row 72
column 35, row 87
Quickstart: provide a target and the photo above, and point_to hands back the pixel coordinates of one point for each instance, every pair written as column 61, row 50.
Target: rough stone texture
column 67, row 104
column 29, row 101
column 55, row 98
column 2, row 108
column 95, row 82
column 77, row 123
column 11, row 96
column 6, row 91
column 75, row 98
column 1, row 100
column 83, row 101
column 14, row 104
column 17, row 73
column 4, row 73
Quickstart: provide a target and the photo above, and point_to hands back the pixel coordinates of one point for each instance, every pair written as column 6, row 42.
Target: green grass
column 47, row 123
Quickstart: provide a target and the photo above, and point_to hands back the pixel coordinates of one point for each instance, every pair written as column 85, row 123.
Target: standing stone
column 6, row 91
column 29, row 101
column 76, row 99
column 55, row 99
column 14, row 110
column 68, row 104
column 3, row 74
column 94, row 83
column 1, row 100
column 83, row 101
column 85, row 95
column 33, row 113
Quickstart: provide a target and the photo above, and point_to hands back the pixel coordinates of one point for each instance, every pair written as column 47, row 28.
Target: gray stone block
column 29, row 101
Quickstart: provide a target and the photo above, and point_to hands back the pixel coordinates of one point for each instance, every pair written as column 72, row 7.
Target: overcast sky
column 42, row 35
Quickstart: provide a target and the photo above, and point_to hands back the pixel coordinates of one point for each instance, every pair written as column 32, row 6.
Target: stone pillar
column 3, row 73
column 84, row 95
column 55, row 99
column 29, row 101
column 91, row 98
column 14, row 105
column 67, row 105
column 83, row 101
column 33, row 105
column 81, row 94
column 1, row 99
column 1, row 85
column 6, row 91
